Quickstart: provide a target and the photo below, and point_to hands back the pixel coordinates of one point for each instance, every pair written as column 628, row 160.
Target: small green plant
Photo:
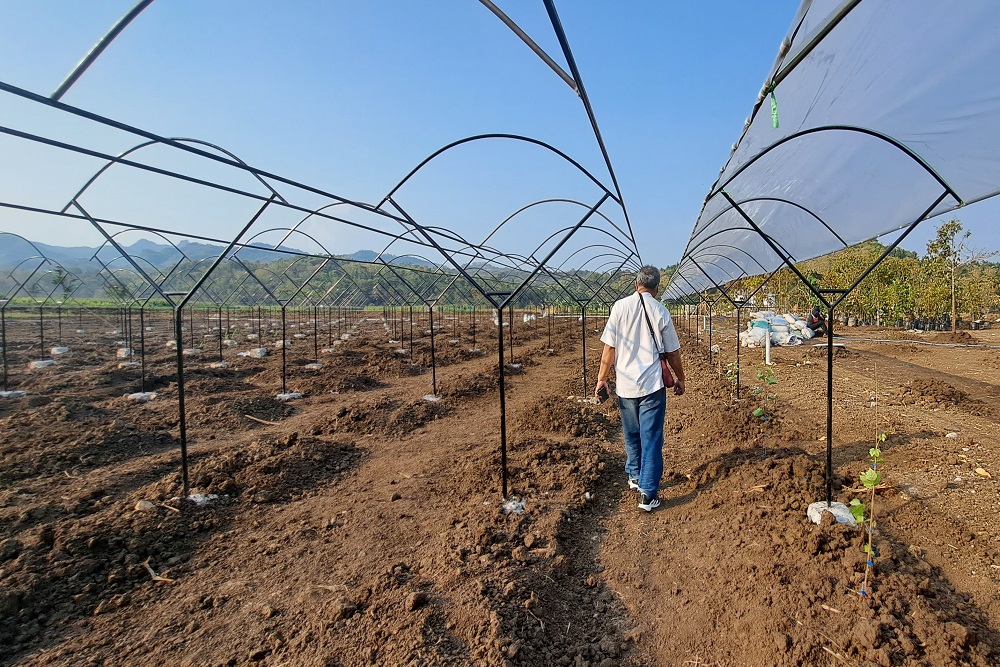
column 865, row 513
column 732, row 372
column 766, row 375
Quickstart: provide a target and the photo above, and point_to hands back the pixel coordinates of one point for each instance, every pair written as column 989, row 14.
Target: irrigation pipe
column 918, row 342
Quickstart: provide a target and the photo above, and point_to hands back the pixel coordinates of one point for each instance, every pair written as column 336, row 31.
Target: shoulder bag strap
column 649, row 324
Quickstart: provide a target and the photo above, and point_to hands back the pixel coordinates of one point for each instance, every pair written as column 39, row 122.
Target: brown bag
column 668, row 377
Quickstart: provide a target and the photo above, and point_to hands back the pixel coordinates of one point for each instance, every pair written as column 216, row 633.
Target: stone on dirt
column 9, row 549
column 416, row 600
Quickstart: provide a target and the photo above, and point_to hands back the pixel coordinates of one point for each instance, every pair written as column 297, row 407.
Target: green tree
column 977, row 292
column 64, row 281
column 947, row 254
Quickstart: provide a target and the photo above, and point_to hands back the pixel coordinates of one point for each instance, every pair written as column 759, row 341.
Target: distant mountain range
column 14, row 252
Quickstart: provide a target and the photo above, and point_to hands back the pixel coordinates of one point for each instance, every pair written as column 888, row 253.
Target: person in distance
column 815, row 321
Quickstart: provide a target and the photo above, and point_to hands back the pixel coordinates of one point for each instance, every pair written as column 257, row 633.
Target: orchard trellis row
column 584, row 257
column 845, row 156
column 205, row 317
column 848, row 153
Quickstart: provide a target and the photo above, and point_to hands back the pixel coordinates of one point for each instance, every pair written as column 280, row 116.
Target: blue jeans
column 642, row 425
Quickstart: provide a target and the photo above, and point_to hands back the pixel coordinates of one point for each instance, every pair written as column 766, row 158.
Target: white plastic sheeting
column 887, row 112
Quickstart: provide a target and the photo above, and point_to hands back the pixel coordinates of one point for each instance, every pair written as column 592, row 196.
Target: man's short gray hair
column 648, row 277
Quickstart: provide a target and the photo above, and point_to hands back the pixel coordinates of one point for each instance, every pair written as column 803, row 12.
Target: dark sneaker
column 633, row 483
column 648, row 503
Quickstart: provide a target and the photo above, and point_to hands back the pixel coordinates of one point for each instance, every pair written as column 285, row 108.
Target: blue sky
column 349, row 96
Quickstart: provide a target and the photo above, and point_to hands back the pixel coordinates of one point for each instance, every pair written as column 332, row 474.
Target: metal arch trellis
column 390, row 200
column 178, row 305
column 180, row 299
column 582, row 302
column 562, row 200
column 779, row 253
column 780, row 200
column 822, row 295
column 428, row 300
column 17, row 286
column 9, row 295
column 881, row 136
column 499, row 298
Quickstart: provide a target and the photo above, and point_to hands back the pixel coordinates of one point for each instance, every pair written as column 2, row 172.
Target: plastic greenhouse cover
column 884, row 113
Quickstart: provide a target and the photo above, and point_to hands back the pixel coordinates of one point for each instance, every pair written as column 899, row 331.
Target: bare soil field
column 362, row 524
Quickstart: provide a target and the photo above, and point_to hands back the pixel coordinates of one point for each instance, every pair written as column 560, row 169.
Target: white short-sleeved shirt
column 637, row 366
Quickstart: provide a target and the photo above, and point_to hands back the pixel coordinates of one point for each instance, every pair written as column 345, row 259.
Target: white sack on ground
column 753, row 337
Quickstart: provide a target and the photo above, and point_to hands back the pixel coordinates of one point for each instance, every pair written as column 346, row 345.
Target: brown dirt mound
column 100, row 560
column 563, row 415
column 271, row 469
column 956, row 337
column 839, row 352
column 756, row 507
column 266, row 408
column 926, row 392
column 475, row 384
column 382, row 416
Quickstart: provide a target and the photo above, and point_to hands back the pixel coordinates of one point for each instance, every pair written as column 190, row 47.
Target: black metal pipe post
column 434, row 385
column 739, row 322
column 129, row 332
column 315, row 333
column 219, row 314
column 41, row 332
column 511, row 333
column 829, row 405
column 711, row 356
column 178, row 338
column 142, row 348
column 503, row 404
column 284, row 344
column 411, row 334
column 473, row 327
column 548, row 316
column 3, row 343
column 583, row 332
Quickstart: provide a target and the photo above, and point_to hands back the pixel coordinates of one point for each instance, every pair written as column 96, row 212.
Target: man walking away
column 632, row 345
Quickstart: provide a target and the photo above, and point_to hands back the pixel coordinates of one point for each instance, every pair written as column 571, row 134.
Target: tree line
column 952, row 281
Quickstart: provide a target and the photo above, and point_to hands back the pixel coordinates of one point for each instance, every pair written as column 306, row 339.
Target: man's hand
column 597, row 387
column 674, row 359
